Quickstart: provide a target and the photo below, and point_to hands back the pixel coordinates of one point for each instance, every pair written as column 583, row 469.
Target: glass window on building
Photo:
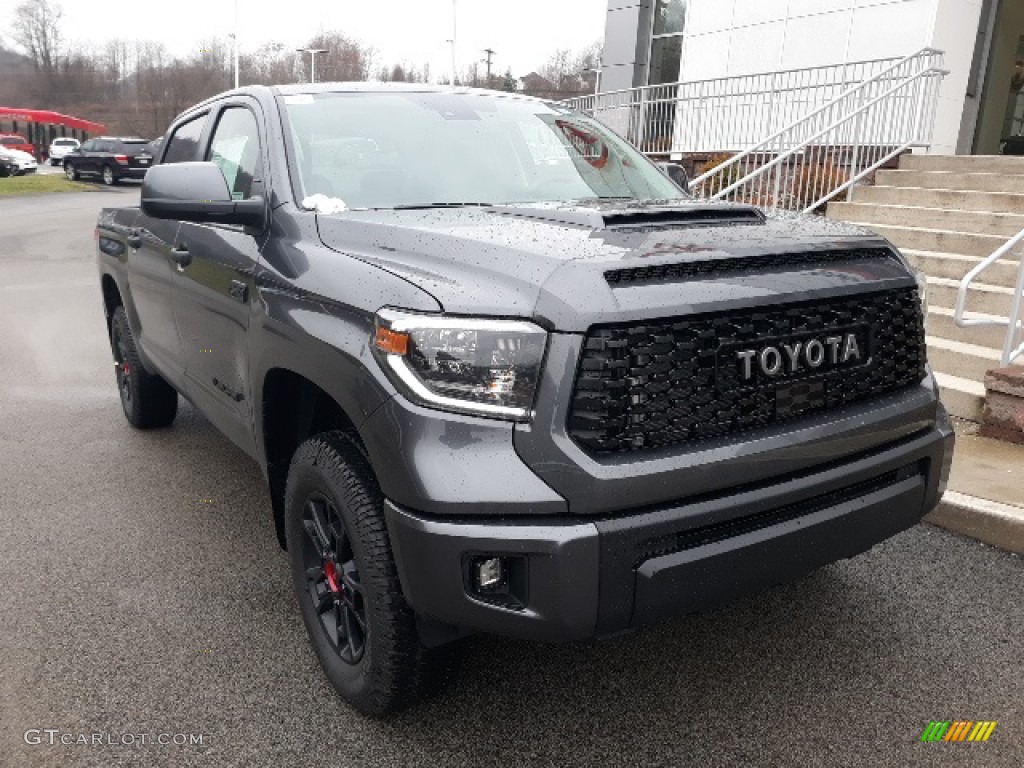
column 667, row 41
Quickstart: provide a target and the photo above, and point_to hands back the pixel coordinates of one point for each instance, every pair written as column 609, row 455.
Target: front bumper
column 589, row 577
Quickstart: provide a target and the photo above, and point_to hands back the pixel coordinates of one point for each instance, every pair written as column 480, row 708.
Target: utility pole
column 490, row 53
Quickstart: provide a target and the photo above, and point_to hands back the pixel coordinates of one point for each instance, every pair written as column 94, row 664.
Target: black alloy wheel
column 122, row 368
column 332, row 578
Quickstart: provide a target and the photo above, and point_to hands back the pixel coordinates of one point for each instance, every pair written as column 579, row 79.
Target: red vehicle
column 14, row 141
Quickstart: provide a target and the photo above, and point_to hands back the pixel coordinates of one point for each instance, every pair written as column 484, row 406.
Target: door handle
column 134, row 238
column 181, row 257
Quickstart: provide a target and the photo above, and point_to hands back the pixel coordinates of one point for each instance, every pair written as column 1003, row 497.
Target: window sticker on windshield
column 298, row 98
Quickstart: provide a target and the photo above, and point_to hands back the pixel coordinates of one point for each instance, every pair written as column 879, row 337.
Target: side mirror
column 677, row 173
column 197, row 192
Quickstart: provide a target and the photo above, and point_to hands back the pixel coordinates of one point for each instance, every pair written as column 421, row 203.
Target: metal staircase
column 960, row 220
column 827, row 128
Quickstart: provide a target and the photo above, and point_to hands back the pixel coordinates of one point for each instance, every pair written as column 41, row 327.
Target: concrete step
column 941, row 323
column 965, row 361
column 954, row 266
column 953, row 200
column 970, row 182
column 1004, row 225
column 963, row 163
column 983, row 298
column 962, row 397
column 938, row 240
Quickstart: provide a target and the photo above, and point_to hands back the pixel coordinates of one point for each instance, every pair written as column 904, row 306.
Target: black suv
column 503, row 375
column 110, row 158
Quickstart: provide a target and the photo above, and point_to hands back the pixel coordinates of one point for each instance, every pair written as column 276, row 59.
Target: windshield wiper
column 423, row 206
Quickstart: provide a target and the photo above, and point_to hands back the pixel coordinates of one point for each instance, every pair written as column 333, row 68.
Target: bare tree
column 37, row 27
column 346, row 59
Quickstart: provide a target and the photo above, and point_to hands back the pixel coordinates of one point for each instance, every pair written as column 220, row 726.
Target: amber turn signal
column 391, row 342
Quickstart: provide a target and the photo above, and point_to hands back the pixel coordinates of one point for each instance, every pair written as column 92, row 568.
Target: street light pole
column 312, row 60
column 454, row 38
column 235, row 36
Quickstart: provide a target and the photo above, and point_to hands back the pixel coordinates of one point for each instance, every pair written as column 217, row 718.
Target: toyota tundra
column 503, row 375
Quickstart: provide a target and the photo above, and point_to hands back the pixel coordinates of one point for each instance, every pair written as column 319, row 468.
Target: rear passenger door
column 80, row 160
column 155, row 272
column 214, row 291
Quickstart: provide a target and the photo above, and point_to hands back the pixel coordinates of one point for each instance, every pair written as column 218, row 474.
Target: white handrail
column 724, row 114
column 801, row 147
column 1012, row 349
column 766, row 143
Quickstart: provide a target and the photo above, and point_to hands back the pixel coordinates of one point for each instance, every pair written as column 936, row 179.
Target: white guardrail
column 1013, row 347
column 838, row 125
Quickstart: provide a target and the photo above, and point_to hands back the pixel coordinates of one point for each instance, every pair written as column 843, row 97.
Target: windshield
column 408, row 149
column 11, row 140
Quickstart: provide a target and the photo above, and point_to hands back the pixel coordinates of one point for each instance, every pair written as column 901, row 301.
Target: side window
column 87, row 147
column 235, row 149
column 184, row 143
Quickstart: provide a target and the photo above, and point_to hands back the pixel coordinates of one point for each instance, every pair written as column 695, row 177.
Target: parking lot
column 144, row 593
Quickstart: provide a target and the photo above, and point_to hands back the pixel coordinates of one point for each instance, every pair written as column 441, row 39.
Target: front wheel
column 71, row 172
column 344, row 576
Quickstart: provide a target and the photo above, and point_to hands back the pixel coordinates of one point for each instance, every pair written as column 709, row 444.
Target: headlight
column 468, row 365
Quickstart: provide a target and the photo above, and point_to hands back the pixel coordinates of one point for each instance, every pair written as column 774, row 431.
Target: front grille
column 672, row 381
column 704, row 267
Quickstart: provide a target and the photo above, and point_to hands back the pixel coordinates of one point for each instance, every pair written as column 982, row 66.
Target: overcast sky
column 523, row 32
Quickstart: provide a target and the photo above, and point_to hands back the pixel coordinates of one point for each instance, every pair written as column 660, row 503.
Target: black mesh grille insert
column 666, row 382
column 700, row 537
column 713, row 267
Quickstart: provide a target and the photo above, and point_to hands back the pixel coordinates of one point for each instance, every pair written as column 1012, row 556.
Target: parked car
column 59, row 149
column 16, row 141
column 111, row 158
column 23, row 162
column 494, row 393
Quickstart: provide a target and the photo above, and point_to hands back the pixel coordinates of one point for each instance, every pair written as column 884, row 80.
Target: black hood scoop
column 639, row 218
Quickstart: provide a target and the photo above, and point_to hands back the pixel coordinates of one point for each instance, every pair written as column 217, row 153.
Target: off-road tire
column 394, row 670
column 147, row 400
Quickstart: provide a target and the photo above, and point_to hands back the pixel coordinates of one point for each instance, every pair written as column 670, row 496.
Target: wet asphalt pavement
column 142, row 592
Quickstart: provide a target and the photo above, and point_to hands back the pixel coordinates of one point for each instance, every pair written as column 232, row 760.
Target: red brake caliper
column 332, row 577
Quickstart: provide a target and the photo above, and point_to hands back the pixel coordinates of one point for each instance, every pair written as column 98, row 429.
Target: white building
column 649, row 42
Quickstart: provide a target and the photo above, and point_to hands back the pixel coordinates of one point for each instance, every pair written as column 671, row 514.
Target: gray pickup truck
column 503, row 375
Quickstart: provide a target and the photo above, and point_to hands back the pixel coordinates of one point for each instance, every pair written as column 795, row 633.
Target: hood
column 571, row 266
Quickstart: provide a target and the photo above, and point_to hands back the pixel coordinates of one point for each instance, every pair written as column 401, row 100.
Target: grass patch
column 36, row 184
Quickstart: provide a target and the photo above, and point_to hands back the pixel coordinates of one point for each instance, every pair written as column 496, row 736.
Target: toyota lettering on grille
column 790, row 358
column 794, row 357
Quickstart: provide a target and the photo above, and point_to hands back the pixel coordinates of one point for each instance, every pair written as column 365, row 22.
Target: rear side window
column 130, row 147
column 184, row 144
column 235, row 149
